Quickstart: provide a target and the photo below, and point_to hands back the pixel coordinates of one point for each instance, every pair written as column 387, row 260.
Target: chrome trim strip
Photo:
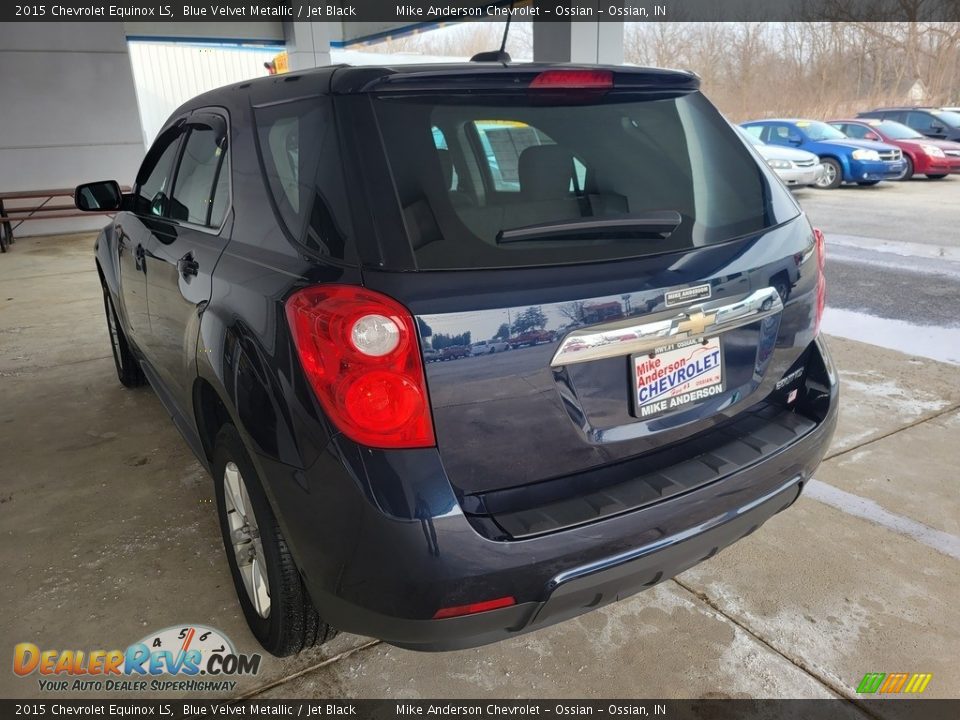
column 663, row 543
column 626, row 337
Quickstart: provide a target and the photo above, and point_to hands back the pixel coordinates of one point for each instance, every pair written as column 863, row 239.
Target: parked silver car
column 797, row 168
column 488, row 347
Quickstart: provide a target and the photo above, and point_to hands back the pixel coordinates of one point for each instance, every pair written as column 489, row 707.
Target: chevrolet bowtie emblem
column 696, row 323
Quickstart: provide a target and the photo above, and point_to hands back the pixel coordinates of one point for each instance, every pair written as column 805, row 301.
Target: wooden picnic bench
column 44, row 208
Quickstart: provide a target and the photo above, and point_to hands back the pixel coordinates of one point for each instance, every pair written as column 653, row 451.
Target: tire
column 908, row 170
column 868, row 183
column 283, row 619
column 126, row 363
column 832, row 175
column 937, row 177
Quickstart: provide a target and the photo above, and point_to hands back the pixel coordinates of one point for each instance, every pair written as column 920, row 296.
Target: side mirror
column 98, row 196
column 936, row 129
column 872, row 136
column 795, row 140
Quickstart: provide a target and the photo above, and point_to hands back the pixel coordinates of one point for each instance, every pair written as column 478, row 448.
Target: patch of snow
column 911, row 403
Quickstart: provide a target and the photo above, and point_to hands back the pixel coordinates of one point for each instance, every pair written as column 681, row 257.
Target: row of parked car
column 489, row 347
column 882, row 144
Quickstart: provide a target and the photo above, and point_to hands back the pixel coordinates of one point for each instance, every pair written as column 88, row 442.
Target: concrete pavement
column 109, row 533
column 917, row 211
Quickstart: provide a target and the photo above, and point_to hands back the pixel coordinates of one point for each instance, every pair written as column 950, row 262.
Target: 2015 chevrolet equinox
column 293, row 244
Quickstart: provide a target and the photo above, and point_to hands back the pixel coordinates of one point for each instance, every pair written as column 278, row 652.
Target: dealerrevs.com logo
column 186, row 658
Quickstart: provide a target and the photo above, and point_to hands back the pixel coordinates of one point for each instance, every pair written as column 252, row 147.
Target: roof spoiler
column 486, row 76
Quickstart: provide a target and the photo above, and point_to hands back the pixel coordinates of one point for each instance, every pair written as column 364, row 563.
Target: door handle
column 187, row 265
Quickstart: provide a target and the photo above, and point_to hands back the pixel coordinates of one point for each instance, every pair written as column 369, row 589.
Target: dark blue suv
column 844, row 159
column 295, row 245
column 932, row 122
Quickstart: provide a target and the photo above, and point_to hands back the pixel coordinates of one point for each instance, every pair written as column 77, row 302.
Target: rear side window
column 526, row 166
column 300, row 154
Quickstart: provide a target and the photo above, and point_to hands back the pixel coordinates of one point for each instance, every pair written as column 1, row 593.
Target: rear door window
column 783, row 133
column 520, row 166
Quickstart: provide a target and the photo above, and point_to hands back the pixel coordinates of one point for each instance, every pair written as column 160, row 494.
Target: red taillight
column 821, row 249
column 360, row 352
column 572, row 80
column 473, row 608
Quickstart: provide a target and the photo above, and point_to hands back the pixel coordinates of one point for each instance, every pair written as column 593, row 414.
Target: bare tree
column 827, row 66
column 573, row 311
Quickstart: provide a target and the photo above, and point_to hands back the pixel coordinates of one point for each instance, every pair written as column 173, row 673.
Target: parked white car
column 488, row 347
column 797, row 168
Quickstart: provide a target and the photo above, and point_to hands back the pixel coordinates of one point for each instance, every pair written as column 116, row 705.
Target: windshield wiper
column 656, row 224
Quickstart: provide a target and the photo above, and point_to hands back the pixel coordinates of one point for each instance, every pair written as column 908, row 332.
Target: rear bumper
column 384, row 545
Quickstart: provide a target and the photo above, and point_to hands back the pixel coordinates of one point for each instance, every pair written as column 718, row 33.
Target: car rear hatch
column 652, row 280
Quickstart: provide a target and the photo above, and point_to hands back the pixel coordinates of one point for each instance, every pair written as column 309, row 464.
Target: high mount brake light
column 360, row 352
column 573, row 80
column 821, row 249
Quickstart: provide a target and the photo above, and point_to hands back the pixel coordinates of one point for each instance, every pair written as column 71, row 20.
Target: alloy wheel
column 245, row 538
column 828, row 177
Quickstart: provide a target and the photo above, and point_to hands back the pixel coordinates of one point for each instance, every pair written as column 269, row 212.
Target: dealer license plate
column 677, row 375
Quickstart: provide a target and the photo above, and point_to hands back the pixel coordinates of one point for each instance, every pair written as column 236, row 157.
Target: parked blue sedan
column 844, row 159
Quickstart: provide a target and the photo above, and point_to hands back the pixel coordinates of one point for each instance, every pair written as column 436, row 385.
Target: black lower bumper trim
column 581, row 589
column 753, row 437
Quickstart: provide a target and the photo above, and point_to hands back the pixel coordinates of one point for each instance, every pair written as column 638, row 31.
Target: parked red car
column 925, row 156
column 531, row 337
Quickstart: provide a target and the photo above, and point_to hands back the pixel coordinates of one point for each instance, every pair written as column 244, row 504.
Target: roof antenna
column 501, row 55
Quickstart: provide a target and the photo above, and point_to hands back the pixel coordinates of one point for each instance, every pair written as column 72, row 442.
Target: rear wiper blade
column 653, row 224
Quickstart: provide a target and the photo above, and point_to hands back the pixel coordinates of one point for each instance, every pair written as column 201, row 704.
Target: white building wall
column 251, row 31
column 168, row 74
column 68, row 113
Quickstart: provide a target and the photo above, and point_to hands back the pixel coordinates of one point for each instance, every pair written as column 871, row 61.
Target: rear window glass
column 469, row 172
column 300, row 151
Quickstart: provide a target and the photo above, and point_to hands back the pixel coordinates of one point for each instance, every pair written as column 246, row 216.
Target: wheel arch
column 210, row 413
column 244, row 380
column 105, row 263
column 842, row 160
